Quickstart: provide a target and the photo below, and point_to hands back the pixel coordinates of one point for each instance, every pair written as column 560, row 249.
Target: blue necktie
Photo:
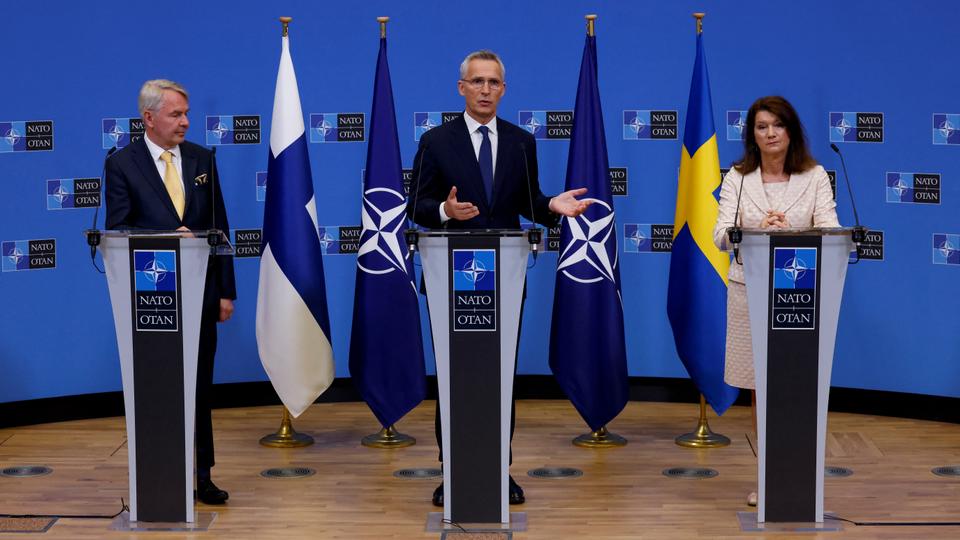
column 486, row 163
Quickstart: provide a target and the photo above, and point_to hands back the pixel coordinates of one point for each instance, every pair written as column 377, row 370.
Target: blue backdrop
column 77, row 65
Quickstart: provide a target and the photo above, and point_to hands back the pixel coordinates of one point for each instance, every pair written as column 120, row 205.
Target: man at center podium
column 479, row 171
column 162, row 182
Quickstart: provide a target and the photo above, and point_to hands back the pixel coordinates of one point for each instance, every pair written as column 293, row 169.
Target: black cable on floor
column 896, row 523
column 123, row 507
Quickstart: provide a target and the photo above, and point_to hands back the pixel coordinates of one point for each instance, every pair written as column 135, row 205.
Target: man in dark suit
column 162, row 182
column 473, row 173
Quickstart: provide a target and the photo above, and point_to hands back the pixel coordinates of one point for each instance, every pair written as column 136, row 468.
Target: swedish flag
column 697, row 295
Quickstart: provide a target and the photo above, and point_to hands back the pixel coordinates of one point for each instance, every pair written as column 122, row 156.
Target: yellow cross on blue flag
column 697, row 294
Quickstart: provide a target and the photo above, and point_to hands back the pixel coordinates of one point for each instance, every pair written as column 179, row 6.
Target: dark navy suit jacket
column 137, row 199
column 446, row 158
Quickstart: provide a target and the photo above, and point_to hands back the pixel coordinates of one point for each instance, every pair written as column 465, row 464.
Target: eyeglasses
column 477, row 84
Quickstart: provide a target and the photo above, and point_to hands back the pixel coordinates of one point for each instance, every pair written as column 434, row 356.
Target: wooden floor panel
column 622, row 494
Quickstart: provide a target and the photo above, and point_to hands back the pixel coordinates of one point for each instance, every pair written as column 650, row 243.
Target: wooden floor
column 622, row 494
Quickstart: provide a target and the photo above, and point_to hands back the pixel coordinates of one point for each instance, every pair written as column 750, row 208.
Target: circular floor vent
column 422, row 472
column 690, row 472
column 555, row 472
column 26, row 471
column 288, row 472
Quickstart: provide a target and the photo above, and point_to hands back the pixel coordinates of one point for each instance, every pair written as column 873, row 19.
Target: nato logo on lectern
column 647, row 124
column 919, row 188
column 73, row 193
column 28, row 254
column 474, row 290
column 26, row 136
column 794, row 299
column 547, row 124
column 120, row 132
column 425, row 121
column 736, row 123
column 223, row 130
column 946, row 249
column 647, row 238
column 337, row 127
column 946, row 128
column 155, row 285
column 864, row 127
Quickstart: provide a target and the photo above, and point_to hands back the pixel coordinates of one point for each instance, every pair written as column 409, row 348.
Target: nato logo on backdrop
column 647, row 238
column 794, row 299
column 73, row 193
column 736, row 123
column 618, row 181
column 341, row 240
column 946, row 128
column 26, row 136
column 337, row 127
column 547, row 124
column 946, row 249
column 406, row 176
column 28, row 254
column 425, row 121
column 246, row 242
column 155, row 284
column 864, row 127
column 918, row 188
column 871, row 249
column 120, row 132
column 261, row 185
column 648, row 124
column 474, row 290
column 223, row 130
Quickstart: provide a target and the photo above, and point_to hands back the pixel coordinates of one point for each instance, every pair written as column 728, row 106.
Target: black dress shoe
column 209, row 493
column 438, row 496
column 516, row 493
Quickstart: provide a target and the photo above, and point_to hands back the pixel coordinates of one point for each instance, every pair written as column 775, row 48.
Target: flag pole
column 600, row 438
column 387, row 437
column 702, row 436
column 286, row 436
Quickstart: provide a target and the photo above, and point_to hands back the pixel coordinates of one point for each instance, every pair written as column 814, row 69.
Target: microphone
column 535, row 234
column 213, row 234
column 859, row 231
column 735, row 233
column 411, row 234
column 93, row 234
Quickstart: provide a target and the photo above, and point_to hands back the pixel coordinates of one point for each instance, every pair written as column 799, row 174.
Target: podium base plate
column 202, row 522
column 518, row 523
column 748, row 523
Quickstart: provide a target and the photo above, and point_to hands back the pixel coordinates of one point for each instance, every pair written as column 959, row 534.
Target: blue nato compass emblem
column 591, row 254
column 946, row 249
column 635, row 125
column 474, row 290
column 155, row 276
column 794, row 289
column 534, row 122
column 15, row 256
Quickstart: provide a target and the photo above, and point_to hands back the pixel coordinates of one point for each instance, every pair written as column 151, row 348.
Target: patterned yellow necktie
column 171, row 179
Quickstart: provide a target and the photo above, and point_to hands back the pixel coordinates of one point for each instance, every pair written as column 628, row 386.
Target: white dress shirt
column 473, row 127
column 156, row 151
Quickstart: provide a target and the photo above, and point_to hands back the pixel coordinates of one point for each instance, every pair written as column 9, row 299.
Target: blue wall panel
column 78, row 63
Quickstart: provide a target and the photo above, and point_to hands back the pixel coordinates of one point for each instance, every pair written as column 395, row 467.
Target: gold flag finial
column 285, row 21
column 590, row 22
column 383, row 26
column 699, row 17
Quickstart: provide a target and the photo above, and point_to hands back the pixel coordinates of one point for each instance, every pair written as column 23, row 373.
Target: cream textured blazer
column 807, row 202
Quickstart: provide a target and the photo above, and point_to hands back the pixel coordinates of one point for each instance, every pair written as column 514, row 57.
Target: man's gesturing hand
column 459, row 210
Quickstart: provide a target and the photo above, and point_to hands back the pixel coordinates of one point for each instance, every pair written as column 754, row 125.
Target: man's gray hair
column 151, row 94
column 482, row 54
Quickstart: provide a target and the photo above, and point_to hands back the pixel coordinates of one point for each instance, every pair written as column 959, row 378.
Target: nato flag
column 386, row 347
column 587, row 347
